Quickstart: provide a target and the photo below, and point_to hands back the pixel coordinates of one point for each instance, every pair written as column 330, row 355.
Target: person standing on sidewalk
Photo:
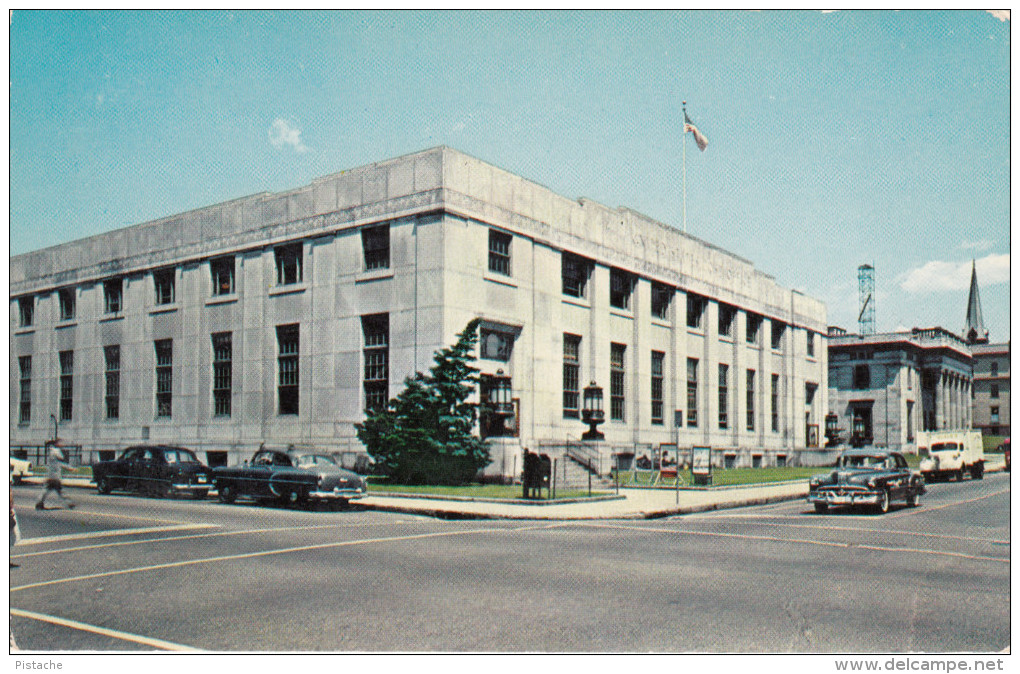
column 56, row 460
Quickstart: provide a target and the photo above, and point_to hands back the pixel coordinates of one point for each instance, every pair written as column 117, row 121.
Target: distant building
column 884, row 388
column 280, row 318
column 991, row 370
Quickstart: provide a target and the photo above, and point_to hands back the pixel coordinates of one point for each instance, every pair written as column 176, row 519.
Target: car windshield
column 315, row 459
column 945, row 447
column 867, row 461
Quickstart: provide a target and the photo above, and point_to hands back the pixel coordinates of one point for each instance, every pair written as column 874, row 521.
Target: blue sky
column 835, row 139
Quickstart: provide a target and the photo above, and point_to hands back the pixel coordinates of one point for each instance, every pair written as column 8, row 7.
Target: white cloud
column 283, row 134
column 983, row 244
column 939, row 276
column 1000, row 14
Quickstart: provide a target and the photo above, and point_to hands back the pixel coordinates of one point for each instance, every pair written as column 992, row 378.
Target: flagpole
column 684, row 142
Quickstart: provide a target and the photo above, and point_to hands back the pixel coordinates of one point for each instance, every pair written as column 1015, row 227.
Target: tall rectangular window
column 289, row 260
column 695, row 310
column 692, row 392
column 621, row 285
column 499, row 252
column 774, row 411
column 753, row 327
column 222, row 270
column 223, row 373
column 571, row 376
column 724, row 391
column 658, row 359
column 662, row 297
column 25, row 402
column 163, row 281
column 26, row 311
column 750, row 400
column 375, row 244
column 617, row 380
column 112, row 356
column 575, row 271
column 993, row 390
column 778, row 330
column 66, row 298
column 810, row 344
column 288, row 344
column 164, row 377
column 113, row 295
column 376, row 331
column 66, row 385
column 726, row 316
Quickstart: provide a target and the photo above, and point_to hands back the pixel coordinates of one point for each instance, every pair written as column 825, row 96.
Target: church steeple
column 974, row 332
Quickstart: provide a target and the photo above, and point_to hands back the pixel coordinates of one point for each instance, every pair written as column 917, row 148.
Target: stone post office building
column 279, row 318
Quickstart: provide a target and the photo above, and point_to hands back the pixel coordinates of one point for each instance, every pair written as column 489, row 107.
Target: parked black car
column 156, row 470
column 289, row 477
column 863, row 477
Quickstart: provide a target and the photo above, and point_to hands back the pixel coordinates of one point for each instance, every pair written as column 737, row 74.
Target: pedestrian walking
column 15, row 530
column 56, row 460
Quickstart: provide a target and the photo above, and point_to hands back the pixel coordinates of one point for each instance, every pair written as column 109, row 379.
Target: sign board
column 701, row 460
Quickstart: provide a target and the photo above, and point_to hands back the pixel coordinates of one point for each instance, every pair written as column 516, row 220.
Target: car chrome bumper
column 191, row 487
column 849, row 498
column 338, row 493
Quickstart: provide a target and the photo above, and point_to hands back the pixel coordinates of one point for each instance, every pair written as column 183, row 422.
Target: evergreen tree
column 423, row 436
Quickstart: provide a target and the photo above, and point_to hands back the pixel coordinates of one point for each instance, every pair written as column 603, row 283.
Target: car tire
column 199, row 495
column 227, row 494
column 103, row 485
column 821, row 507
column 913, row 500
column 959, row 475
column 977, row 472
column 162, row 489
column 883, row 502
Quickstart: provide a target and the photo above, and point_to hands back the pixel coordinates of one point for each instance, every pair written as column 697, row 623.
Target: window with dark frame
column 223, row 373
column 111, row 355
column 288, row 345
column 66, row 385
column 750, row 400
column 810, row 344
column 25, row 400
column 692, row 392
column 575, row 271
column 66, row 299
column 113, row 295
column 862, row 377
column 499, row 252
column 164, row 378
column 994, row 368
column 163, row 281
column 621, row 285
column 617, row 381
column 726, row 315
column 662, row 298
column 778, row 331
column 289, row 260
column 753, row 327
column 724, row 418
column 695, row 310
column 222, row 270
column 375, row 329
column 658, row 360
column 571, row 376
column 775, row 403
column 375, row 243
column 26, row 311
column 993, row 391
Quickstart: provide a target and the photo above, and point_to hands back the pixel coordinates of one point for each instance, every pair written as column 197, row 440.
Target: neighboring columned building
column 884, row 388
column 991, row 369
column 280, row 318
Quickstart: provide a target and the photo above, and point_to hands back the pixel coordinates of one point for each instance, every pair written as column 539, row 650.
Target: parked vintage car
column 289, row 477
column 867, row 477
column 20, row 469
column 156, row 470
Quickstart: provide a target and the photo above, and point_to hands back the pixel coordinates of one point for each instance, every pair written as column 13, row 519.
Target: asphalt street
column 125, row 573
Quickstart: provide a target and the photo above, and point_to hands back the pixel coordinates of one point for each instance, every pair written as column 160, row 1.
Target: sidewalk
column 630, row 504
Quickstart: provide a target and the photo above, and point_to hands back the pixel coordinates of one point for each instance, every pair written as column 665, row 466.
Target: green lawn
column 505, row 491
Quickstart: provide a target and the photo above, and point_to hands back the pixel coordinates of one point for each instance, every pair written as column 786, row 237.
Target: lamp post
column 592, row 412
column 501, row 402
column 53, row 418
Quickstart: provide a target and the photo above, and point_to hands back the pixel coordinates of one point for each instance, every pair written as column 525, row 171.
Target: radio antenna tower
column 866, row 286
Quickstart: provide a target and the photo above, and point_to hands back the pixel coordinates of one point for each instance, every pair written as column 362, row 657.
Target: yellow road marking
column 123, row 636
column 802, row 541
column 264, row 553
column 110, row 532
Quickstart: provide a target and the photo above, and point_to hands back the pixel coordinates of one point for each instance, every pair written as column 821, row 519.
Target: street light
column 592, row 412
column 501, row 402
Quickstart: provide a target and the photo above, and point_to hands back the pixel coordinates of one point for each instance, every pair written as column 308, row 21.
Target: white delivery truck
column 948, row 454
